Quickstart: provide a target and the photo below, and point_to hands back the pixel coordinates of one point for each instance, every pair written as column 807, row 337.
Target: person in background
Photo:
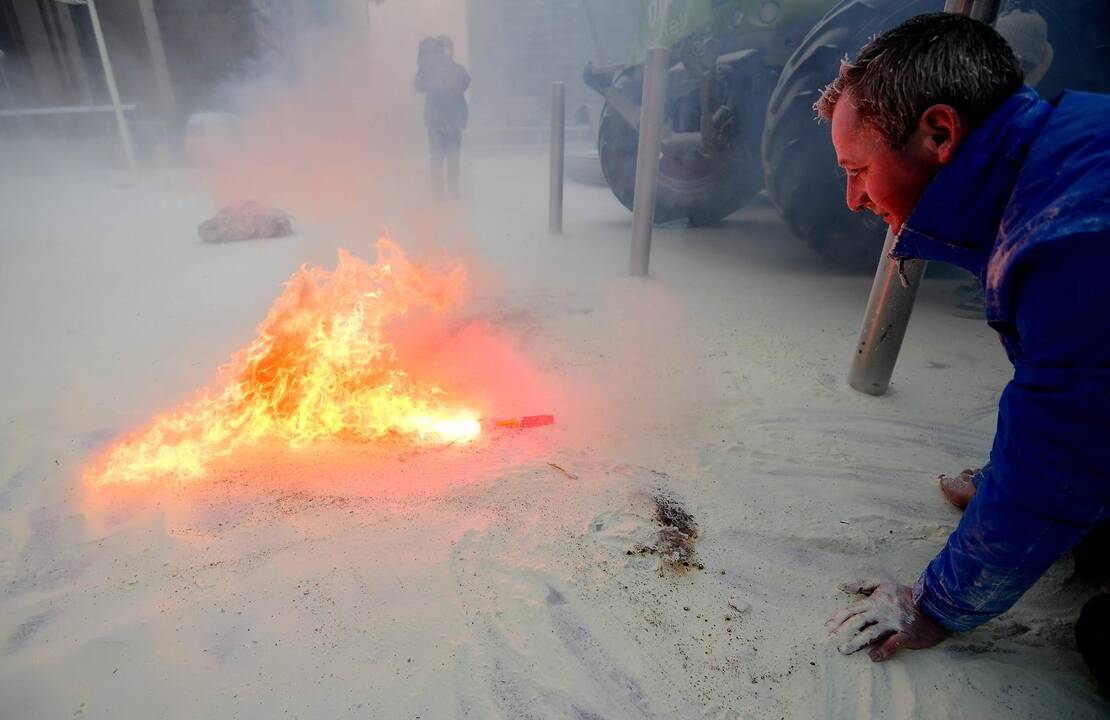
column 444, row 83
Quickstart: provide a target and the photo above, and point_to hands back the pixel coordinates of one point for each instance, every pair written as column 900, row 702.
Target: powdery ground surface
column 491, row 580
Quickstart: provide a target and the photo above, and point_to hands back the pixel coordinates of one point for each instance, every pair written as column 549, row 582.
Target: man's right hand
column 886, row 620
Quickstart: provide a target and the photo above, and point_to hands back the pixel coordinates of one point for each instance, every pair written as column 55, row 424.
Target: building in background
column 174, row 58
column 171, row 58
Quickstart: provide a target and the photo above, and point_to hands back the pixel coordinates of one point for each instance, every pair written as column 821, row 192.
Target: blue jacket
column 1025, row 205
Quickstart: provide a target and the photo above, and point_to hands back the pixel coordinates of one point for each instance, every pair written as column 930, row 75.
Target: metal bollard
column 558, row 155
column 890, row 303
column 4, row 77
column 884, row 323
column 647, row 158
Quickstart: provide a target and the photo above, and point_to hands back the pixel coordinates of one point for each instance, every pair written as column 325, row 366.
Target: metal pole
column 110, row 78
column 158, row 59
column 891, row 303
column 884, row 323
column 985, row 10
column 72, row 53
column 4, row 77
column 558, row 145
column 647, row 157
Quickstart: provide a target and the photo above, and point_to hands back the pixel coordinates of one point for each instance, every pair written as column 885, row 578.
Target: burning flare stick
column 528, row 421
column 321, row 367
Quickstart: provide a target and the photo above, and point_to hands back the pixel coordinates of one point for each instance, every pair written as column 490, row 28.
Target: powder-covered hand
column 886, row 620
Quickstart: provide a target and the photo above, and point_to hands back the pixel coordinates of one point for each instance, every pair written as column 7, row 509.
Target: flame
column 321, row 367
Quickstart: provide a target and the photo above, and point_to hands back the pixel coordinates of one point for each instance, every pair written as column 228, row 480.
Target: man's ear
column 942, row 130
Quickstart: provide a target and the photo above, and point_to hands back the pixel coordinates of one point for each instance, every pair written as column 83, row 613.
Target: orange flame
column 321, row 367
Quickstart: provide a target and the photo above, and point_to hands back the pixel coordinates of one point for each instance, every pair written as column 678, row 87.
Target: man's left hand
column 886, row 620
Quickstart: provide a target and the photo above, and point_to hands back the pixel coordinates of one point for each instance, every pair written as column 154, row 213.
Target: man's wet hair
column 934, row 59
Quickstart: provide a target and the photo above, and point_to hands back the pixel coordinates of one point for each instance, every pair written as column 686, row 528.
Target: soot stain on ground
column 677, row 536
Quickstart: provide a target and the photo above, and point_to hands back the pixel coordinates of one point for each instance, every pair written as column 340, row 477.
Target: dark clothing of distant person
column 444, row 83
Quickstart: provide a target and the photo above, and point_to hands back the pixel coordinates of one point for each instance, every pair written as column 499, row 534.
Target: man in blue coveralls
column 940, row 137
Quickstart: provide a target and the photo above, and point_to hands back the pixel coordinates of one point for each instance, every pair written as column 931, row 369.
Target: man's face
column 886, row 182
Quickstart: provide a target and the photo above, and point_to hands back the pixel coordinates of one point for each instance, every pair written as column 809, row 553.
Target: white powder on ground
column 482, row 582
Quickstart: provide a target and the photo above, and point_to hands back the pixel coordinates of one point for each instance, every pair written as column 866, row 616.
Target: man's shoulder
column 1077, row 126
column 1061, row 190
column 1067, row 169
column 1080, row 101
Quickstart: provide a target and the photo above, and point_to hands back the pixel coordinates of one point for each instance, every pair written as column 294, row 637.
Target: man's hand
column 886, row 620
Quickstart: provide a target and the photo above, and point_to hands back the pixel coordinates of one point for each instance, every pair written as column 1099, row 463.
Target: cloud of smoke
column 330, row 128
column 333, row 145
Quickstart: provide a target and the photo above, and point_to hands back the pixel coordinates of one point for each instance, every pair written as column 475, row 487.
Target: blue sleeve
column 1049, row 484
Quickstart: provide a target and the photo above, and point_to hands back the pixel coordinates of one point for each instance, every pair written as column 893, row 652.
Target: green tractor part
column 725, row 61
column 665, row 23
column 741, row 87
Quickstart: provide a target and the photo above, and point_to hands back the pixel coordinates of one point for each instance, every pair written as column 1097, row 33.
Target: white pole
column 110, row 78
column 647, row 158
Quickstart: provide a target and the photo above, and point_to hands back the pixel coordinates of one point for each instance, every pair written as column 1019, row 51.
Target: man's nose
column 856, row 196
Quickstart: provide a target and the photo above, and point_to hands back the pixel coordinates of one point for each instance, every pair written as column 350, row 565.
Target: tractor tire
column 799, row 163
column 703, row 190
